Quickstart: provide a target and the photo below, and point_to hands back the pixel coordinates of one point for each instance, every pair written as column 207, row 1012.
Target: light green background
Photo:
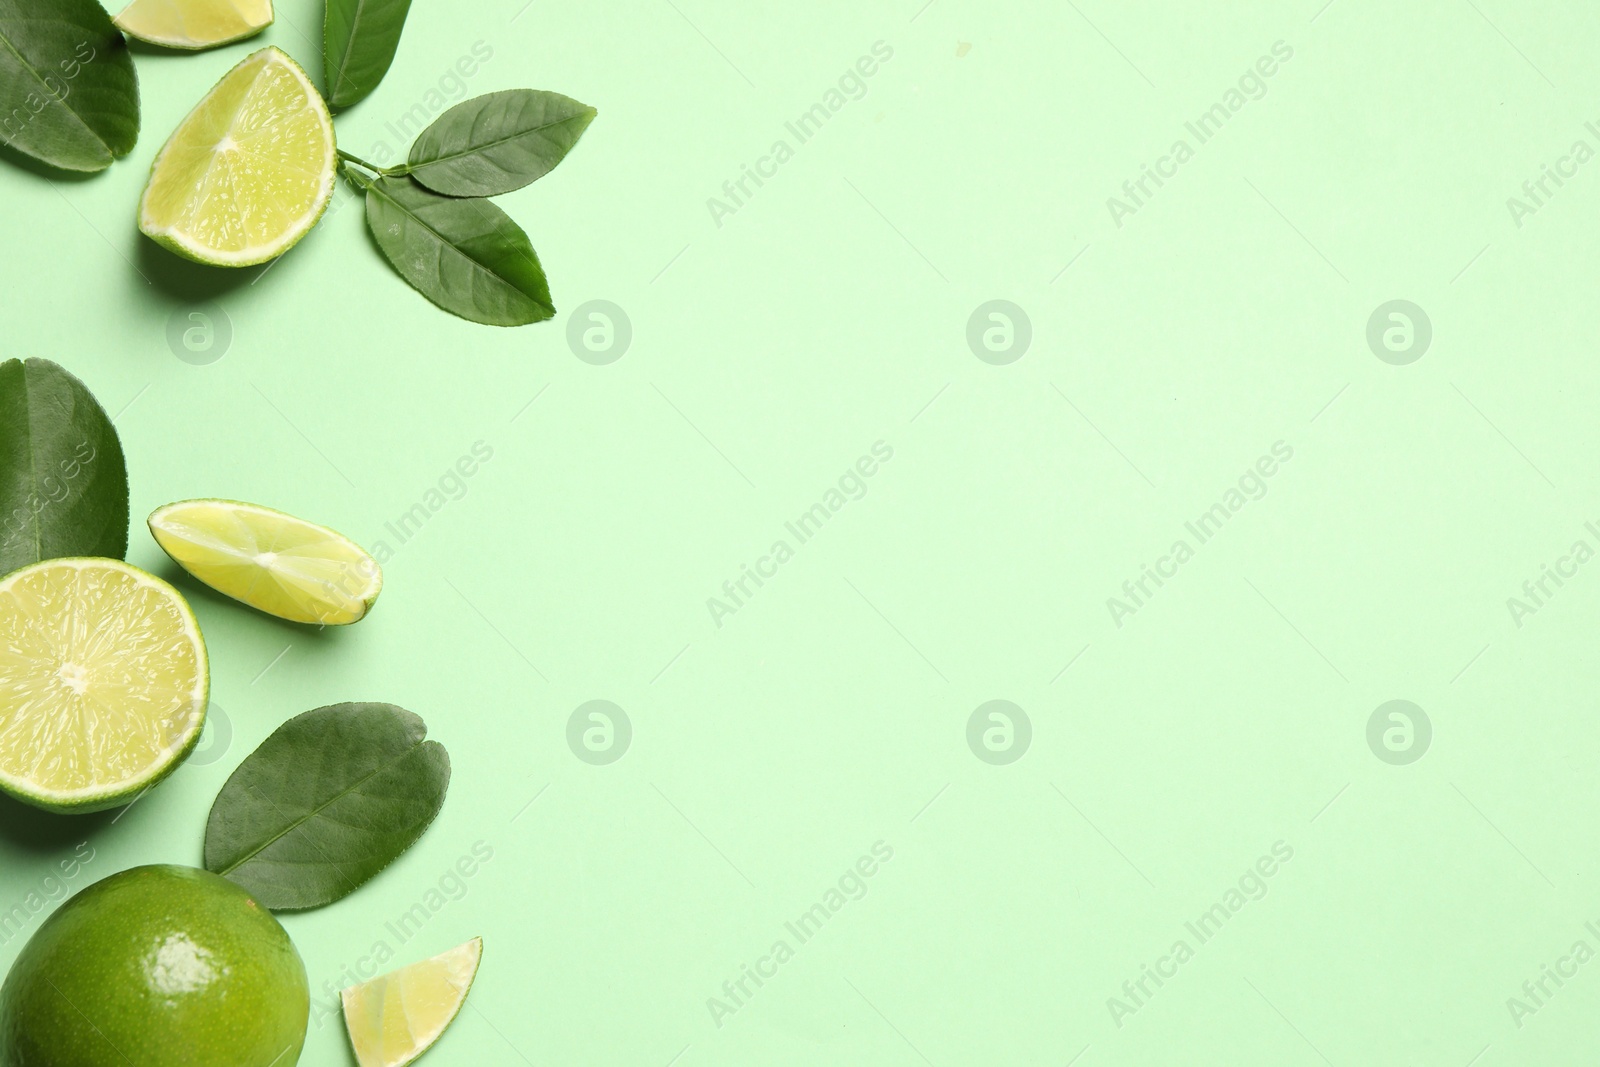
column 830, row 312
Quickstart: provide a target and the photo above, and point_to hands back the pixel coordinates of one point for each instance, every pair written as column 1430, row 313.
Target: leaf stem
column 394, row 171
column 361, row 181
column 358, row 161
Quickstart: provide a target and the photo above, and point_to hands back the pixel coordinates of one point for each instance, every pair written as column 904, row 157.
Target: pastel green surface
column 553, row 520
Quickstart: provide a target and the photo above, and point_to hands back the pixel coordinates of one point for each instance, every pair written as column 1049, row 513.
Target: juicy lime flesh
column 249, row 170
column 194, row 23
column 156, row 966
column 103, row 681
column 396, row 1017
column 282, row 565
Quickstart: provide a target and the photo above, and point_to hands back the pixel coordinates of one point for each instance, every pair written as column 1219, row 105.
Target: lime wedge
column 274, row 562
column 248, row 172
column 398, row 1016
column 194, row 24
column 103, row 683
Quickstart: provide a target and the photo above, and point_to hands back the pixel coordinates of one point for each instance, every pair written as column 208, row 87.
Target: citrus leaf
column 359, row 39
column 496, row 143
column 69, row 96
column 330, row 799
column 63, row 481
column 466, row 255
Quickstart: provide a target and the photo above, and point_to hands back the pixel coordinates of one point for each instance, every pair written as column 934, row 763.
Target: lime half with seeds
column 103, row 683
column 397, row 1017
column 248, row 172
column 272, row 561
column 194, row 24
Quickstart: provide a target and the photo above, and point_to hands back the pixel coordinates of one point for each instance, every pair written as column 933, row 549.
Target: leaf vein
column 318, row 810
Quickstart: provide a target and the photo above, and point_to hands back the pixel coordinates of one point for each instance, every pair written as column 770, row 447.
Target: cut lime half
column 103, row 683
column 194, row 24
column 398, row 1016
column 248, row 172
column 274, row 562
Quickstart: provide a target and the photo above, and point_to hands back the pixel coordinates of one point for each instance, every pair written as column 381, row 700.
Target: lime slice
column 398, row 1016
column 194, row 24
column 103, row 683
column 248, row 172
column 274, row 562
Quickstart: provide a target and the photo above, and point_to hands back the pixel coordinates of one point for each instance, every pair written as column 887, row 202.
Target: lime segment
column 248, row 172
column 271, row 561
column 194, row 24
column 397, row 1017
column 103, row 683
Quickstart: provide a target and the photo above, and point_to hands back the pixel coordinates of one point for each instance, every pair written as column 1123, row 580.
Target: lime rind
column 158, row 964
column 168, row 755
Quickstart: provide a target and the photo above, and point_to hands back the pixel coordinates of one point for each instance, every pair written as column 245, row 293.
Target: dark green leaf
column 330, row 799
column 68, row 92
column 467, row 256
column 496, row 143
column 63, row 482
column 359, row 38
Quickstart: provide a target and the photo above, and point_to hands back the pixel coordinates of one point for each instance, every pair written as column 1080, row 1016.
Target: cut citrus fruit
column 103, row 683
column 248, row 172
column 194, row 24
column 398, row 1016
column 274, row 562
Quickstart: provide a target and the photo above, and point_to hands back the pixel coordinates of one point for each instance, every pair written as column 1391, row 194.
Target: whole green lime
column 156, row 966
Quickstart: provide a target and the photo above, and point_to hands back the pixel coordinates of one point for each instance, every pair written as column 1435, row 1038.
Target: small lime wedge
column 103, row 683
column 398, row 1016
column 194, row 24
column 248, row 172
column 274, row 562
